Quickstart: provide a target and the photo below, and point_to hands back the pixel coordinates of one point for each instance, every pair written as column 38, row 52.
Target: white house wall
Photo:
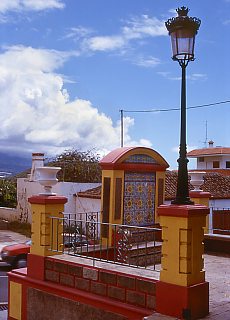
column 208, row 162
column 26, row 189
column 88, row 205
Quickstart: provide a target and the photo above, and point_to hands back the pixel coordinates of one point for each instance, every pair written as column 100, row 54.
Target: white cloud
column 147, row 61
column 193, row 76
column 104, row 43
column 144, row 26
column 197, row 76
column 125, row 42
column 175, row 149
column 164, row 74
column 25, row 5
column 172, row 11
column 134, row 29
column 77, row 33
column 28, row 58
column 36, row 114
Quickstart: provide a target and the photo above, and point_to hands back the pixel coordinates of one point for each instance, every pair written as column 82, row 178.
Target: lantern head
column 183, row 30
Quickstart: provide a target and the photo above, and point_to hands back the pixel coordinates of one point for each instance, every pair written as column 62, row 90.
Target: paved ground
column 217, row 274
column 3, row 315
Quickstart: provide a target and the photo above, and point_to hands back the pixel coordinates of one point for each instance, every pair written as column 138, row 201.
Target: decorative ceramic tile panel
column 140, row 158
column 139, row 199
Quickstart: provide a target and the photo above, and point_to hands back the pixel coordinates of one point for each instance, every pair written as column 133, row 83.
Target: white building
column 26, row 187
column 212, row 158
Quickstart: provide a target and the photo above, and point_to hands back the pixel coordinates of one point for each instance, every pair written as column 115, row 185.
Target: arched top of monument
column 129, row 158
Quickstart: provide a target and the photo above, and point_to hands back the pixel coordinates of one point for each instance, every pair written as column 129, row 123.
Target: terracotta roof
column 209, row 152
column 217, row 184
column 170, row 184
column 94, row 193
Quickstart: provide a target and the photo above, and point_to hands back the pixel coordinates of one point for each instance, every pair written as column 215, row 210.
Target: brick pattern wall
column 121, row 287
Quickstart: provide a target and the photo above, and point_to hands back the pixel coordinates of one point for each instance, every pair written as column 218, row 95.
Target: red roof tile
column 209, row 152
column 94, row 193
column 215, row 183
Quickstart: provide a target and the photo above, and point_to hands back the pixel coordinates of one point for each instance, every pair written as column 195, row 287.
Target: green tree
column 77, row 166
column 8, row 193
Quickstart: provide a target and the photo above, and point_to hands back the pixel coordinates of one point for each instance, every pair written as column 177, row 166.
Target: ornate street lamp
column 183, row 30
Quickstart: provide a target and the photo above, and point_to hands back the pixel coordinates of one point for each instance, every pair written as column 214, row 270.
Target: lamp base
column 47, row 194
column 182, row 201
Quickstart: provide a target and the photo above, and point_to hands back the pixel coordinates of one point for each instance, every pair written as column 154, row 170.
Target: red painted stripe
column 131, row 312
column 182, row 210
column 47, row 200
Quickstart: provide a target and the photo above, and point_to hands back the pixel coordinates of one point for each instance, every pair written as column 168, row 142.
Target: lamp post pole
column 182, row 196
column 182, row 30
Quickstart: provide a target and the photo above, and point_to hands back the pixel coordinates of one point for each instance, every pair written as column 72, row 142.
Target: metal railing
column 132, row 246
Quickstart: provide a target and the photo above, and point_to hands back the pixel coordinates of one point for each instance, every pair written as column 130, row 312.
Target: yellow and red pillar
column 182, row 291
column 46, row 234
column 46, row 231
column 202, row 198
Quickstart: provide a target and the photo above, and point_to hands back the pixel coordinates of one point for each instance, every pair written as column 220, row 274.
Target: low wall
column 125, row 288
column 9, row 214
column 221, row 221
column 217, row 243
column 77, row 291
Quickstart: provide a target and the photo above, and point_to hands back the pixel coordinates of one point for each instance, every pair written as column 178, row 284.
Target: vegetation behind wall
column 8, row 193
column 77, row 166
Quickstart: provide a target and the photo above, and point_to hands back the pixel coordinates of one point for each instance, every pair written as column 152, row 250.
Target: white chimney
column 37, row 161
column 210, row 144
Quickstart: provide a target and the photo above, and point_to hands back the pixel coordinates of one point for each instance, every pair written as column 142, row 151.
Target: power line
column 176, row 109
column 163, row 110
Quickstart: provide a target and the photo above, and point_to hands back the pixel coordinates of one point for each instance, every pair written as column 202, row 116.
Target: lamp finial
column 182, row 12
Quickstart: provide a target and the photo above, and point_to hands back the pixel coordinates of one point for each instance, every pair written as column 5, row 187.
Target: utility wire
column 122, row 111
column 176, row 109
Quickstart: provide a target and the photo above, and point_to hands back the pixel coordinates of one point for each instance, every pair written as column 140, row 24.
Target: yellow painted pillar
column 111, row 203
column 160, row 192
column 203, row 199
column 47, row 232
column 182, row 291
column 45, row 235
column 15, row 300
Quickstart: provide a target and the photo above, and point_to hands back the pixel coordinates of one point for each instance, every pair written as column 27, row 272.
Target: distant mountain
column 14, row 163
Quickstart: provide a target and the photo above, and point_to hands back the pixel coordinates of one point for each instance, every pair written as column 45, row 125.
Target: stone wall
column 9, row 214
column 67, row 309
column 120, row 287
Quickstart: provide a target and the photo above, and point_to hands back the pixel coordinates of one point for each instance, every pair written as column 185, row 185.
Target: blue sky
column 68, row 66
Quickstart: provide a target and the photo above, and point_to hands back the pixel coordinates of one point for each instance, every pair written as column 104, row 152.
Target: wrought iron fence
column 133, row 246
column 220, row 221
